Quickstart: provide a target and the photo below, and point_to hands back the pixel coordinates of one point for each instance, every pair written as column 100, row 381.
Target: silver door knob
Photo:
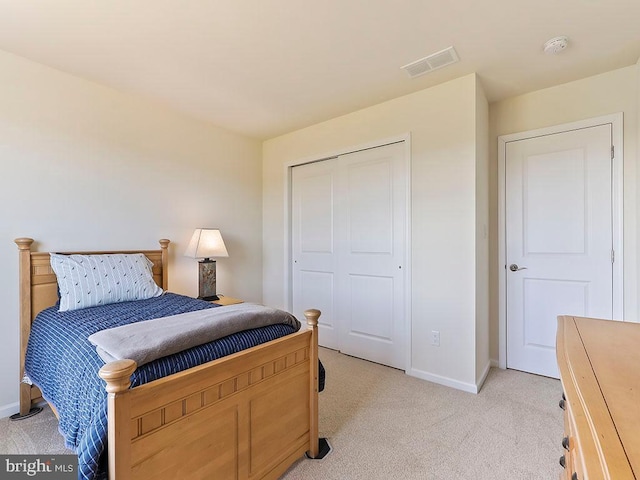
column 514, row 268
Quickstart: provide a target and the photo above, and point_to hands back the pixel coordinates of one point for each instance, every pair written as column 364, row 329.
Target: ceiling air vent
column 432, row 62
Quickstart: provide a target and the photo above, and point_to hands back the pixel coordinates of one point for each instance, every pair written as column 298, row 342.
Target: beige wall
column 86, row 167
column 442, row 122
column 482, row 236
column 611, row 92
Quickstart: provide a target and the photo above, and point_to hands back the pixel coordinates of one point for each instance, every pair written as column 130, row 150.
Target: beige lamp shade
column 206, row 243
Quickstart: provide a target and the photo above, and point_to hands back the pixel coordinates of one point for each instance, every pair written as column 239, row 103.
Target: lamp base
column 210, row 298
column 207, row 279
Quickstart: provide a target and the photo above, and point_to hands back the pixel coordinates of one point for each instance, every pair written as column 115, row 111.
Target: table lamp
column 206, row 243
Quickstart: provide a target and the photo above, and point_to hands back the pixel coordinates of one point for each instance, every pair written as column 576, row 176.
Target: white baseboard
column 446, row 381
column 9, row 409
column 495, row 363
column 483, row 377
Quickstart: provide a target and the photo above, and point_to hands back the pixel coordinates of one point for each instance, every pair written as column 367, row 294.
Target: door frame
column 617, row 195
column 288, row 225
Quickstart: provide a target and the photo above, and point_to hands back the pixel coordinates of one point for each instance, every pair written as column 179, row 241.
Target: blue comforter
column 64, row 365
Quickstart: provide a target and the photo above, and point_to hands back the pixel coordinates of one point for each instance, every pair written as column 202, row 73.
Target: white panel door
column 313, row 245
column 348, row 246
column 372, row 226
column 558, row 216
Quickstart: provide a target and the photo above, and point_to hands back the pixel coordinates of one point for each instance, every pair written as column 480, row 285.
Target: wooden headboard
column 39, row 290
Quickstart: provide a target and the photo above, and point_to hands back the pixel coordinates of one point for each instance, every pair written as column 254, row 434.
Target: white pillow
column 90, row 280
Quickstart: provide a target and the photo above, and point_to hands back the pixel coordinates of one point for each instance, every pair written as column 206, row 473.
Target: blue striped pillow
column 91, row 280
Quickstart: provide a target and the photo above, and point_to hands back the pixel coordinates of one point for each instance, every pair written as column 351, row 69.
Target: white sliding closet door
column 314, row 245
column 349, row 243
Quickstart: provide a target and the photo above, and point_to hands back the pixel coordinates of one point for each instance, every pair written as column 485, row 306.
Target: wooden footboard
column 246, row 416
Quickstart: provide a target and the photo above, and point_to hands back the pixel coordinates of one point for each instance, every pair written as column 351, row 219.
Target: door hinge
column 612, row 152
column 613, row 256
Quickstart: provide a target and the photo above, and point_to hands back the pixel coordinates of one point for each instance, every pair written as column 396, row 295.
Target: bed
column 248, row 415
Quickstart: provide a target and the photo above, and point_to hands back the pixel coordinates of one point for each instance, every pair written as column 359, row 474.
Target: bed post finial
column 312, row 316
column 24, row 243
column 118, row 375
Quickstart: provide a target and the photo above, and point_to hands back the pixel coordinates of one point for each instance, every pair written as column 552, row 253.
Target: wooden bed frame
column 249, row 415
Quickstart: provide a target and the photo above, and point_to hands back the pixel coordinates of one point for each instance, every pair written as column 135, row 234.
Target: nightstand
column 222, row 300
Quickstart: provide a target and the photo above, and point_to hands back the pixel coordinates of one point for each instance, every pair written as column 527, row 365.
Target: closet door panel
column 370, row 227
column 313, row 245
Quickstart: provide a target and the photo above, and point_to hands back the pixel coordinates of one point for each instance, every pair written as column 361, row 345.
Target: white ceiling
column 266, row 67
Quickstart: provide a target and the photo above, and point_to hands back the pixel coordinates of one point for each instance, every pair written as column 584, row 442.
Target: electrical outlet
column 435, row 338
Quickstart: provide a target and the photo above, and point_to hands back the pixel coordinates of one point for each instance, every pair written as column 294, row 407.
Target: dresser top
column 603, row 357
column 614, row 351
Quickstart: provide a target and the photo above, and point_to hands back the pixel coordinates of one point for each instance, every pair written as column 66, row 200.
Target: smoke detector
column 556, row 45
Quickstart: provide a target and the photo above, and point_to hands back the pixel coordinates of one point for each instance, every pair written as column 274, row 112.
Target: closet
column 349, row 250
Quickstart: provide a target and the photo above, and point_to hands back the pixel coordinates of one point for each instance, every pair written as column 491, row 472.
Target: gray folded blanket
column 151, row 339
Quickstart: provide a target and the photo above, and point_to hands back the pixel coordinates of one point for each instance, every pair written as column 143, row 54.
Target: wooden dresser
column 599, row 364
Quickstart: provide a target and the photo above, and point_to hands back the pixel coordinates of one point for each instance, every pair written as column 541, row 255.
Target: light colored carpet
column 383, row 424
column 32, row 436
